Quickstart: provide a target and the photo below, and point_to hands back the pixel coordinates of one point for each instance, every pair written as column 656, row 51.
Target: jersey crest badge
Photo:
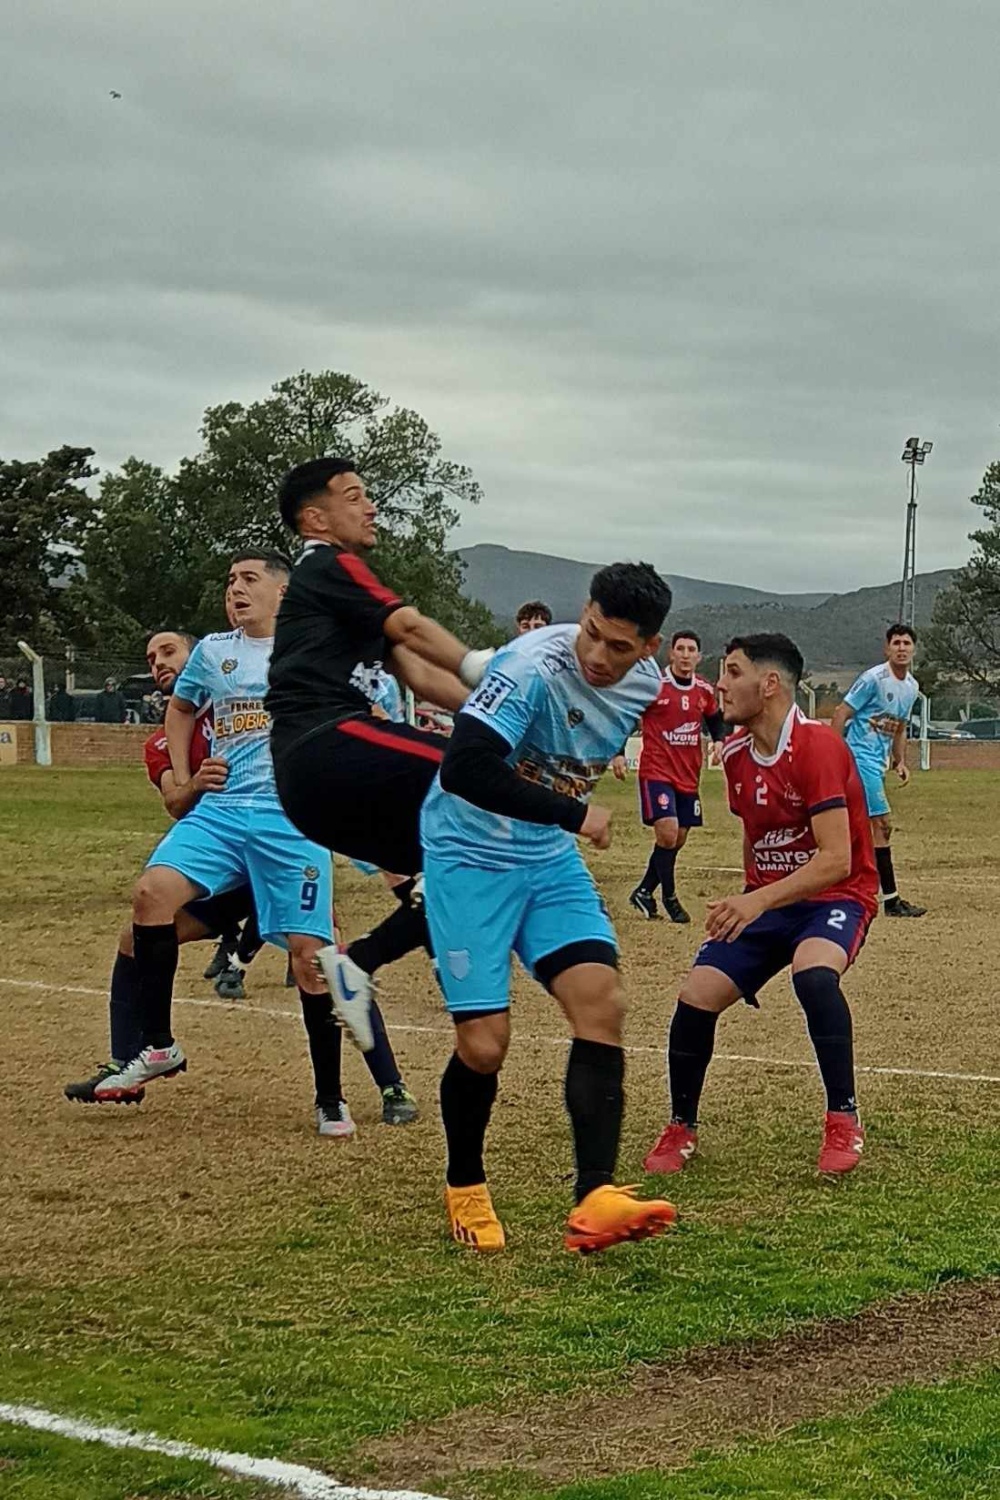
column 229, row 665
column 574, row 717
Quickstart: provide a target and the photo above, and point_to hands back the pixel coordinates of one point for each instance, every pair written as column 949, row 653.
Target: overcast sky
column 676, row 279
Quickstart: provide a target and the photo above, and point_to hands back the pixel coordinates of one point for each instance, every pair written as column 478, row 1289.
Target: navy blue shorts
column 658, row 799
column 768, row 945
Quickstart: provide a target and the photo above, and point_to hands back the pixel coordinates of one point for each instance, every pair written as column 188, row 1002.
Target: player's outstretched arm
column 475, row 768
column 429, row 682
column 430, row 641
column 830, row 864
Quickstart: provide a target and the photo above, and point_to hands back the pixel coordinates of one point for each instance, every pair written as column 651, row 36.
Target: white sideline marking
column 548, row 1041
column 310, row 1484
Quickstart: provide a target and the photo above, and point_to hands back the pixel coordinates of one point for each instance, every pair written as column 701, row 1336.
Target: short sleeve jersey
column 329, row 643
column 882, row 704
column 776, row 796
column 672, row 729
column 229, row 672
column 562, row 733
column 157, row 756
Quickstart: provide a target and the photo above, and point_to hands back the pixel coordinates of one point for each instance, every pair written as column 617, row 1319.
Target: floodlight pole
column 907, row 589
column 914, row 453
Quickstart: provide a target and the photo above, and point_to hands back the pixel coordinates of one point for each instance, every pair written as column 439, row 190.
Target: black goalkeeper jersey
column 329, row 644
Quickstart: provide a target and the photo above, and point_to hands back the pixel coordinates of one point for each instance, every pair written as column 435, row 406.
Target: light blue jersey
column 882, row 704
column 229, row 671
column 241, row 835
column 387, row 696
column 562, row 732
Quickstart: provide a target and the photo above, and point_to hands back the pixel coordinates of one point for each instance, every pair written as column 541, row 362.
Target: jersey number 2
column 837, row 919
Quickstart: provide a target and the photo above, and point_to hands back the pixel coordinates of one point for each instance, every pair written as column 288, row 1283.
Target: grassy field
column 207, row 1269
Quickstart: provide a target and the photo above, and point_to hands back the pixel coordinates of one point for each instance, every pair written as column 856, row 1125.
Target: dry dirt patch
column 710, row 1397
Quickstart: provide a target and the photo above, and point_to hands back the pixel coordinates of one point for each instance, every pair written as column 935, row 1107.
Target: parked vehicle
column 982, row 729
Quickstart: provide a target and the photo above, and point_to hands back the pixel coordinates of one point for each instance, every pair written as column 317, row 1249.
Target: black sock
column 125, row 1009
column 156, row 964
column 401, row 932
column 886, row 874
column 650, row 882
column 249, row 942
column 666, row 859
column 828, row 1017
column 381, row 1060
column 466, row 1105
column 595, row 1100
column 325, row 1044
column 689, row 1052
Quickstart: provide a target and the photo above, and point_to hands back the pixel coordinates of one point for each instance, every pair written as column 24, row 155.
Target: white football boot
column 352, row 992
column 129, row 1081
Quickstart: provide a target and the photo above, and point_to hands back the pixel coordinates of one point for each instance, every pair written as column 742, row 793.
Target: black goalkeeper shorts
column 357, row 788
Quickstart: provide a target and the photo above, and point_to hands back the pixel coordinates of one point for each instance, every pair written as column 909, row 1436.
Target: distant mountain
column 833, row 631
column 503, row 578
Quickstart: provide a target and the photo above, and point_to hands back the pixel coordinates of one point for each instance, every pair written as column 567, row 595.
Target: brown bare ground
column 710, row 1397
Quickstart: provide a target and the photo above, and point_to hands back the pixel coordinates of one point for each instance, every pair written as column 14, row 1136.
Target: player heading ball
column 504, row 874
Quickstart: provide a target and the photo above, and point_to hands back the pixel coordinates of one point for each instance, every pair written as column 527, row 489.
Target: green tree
column 145, row 563
column 963, row 642
column 44, row 515
column 160, row 548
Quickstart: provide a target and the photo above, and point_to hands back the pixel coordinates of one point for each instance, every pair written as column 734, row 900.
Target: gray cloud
column 673, row 282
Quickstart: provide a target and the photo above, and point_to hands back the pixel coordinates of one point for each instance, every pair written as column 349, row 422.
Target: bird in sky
column 114, row 94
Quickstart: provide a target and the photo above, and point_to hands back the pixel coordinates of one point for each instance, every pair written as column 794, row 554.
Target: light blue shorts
column 224, row 843
column 478, row 917
column 873, row 781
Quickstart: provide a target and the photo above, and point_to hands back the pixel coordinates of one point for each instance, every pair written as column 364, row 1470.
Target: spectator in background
column 109, row 705
column 533, row 616
column 22, row 703
column 4, row 697
column 62, row 706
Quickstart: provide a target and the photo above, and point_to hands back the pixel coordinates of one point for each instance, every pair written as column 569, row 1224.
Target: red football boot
column 843, row 1142
column 673, row 1150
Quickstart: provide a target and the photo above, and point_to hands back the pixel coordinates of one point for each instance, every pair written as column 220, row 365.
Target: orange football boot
column 473, row 1219
column 611, row 1214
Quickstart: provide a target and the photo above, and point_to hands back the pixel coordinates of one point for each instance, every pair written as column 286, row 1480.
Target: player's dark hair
column 633, row 592
column 900, row 629
column 189, row 640
column 532, row 610
column 773, row 650
column 686, row 635
column 306, row 480
column 274, row 562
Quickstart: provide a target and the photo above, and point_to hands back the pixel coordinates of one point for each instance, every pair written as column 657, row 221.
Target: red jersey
column 672, row 728
column 811, row 771
column 157, row 756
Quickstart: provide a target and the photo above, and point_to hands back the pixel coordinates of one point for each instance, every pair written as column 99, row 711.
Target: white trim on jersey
column 687, row 687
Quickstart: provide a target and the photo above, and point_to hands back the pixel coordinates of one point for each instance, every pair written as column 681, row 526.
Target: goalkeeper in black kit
column 349, row 781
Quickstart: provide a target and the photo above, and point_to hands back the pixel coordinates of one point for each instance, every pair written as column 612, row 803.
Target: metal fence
column 72, row 686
